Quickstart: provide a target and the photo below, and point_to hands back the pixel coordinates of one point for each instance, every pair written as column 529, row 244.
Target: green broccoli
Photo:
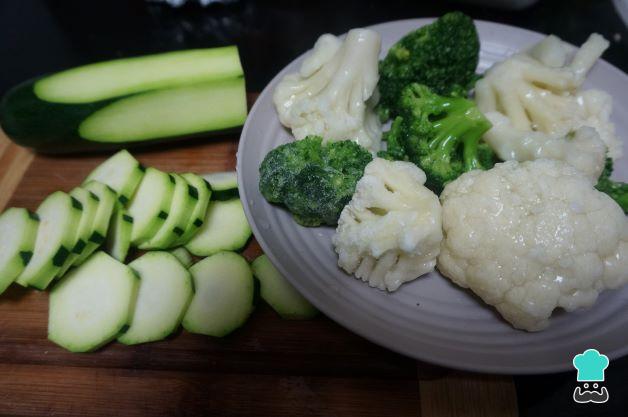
column 442, row 135
column 618, row 191
column 313, row 180
column 442, row 56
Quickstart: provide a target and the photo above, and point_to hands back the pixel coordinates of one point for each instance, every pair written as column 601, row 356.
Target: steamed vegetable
column 128, row 101
column 442, row 56
column 442, row 135
column 332, row 94
column 390, row 232
column 313, row 180
column 530, row 237
column 545, row 97
column 617, row 190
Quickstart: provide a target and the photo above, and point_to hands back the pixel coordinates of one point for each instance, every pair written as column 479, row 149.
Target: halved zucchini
column 18, row 231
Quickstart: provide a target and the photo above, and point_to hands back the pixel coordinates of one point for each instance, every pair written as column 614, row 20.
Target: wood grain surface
column 270, row 367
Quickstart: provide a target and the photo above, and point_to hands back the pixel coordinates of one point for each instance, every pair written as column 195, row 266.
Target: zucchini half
column 120, row 103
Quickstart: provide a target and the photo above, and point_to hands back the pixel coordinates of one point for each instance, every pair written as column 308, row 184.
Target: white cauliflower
column 334, row 93
column 583, row 148
column 529, row 237
column 539, row 92
column 390, row 232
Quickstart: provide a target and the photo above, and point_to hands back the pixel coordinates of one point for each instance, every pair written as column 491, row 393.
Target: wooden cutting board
column 270, row 367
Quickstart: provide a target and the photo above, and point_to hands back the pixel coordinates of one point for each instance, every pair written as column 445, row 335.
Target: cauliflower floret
column 538, row 92
column 332, row 96
column 583, row 148
column 529, row 237
column 390, row 232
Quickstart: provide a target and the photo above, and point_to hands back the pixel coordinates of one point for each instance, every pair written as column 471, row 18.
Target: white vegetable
column 538, row 94
column 332, row 96
column 390, row 232
column 529, row 237
column 583, row 148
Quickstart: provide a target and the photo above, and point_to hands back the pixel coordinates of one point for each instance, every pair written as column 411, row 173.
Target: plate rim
column 346, row 322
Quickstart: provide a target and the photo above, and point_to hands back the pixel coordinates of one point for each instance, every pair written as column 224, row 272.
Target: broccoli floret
column 617, row 190
column 314, row 181
column 442, row 56
column 442, row 135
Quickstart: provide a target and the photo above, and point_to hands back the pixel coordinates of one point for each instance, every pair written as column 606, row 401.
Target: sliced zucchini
column 225, row 228
column 106, row 204
column 183, row 256
column 223, row 298
column 90, row 202
column 59, row 216
column 149, row 207
column 122, row 172
column 164, row 295
column 126, row 76
column 119, row 234
column 224, row 184
column 175, row 112
column 197, row 216
column 92, row 304
column 18, row 231
column 279, row 293
column 184, row 200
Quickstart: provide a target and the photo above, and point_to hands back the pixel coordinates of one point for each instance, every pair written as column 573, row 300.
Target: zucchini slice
column 223, row 298
column 121, row 77
column 149, row 207
column 59, row 216
column 175, row 112
column 225, row 228
column 119, row 234
column 106, row 204
column 18, row 231
column 92, row 304
column 122, row 172
column 197, row 216
column 184, row 200
column 183, row 256
column 279, row 293
column 163, row 297
column 89, row 201
column 224, row 184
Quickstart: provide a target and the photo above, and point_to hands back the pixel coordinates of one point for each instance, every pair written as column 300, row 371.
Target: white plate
column 428, row 319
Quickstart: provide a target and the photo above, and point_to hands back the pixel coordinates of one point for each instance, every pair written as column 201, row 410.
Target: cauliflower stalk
column 530, row 237
column 334, row 93
column 390, row 232
column 538, row 91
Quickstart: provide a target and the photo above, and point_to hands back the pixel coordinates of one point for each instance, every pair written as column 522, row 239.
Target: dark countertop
column 39, row 36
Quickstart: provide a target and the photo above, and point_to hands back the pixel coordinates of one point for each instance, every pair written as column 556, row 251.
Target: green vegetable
column 442, row 55
column 122, row 102
column 313, row 180
column 618, row 191
column 440, row 134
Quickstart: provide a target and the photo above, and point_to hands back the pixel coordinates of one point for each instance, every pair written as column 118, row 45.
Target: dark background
column 38, row 36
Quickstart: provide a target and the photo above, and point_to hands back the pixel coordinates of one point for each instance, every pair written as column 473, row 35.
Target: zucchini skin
column 53, row 128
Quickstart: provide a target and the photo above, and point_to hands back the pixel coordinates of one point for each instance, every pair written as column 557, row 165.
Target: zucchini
column 184, row 200
column 225, row 228
column 163, row 297
column 119, row 234
column 223, row 298
column 59, row 216
column 197, row 216
column 106, row 205
column 92, row 304
column 183, row 256
column 279, row 293
column 18, row 231
column 224, row 184
column 129, row 101
column 121, row 172
column 149, row 207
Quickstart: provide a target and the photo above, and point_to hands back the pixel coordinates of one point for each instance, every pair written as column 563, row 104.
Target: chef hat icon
column 590, row 365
